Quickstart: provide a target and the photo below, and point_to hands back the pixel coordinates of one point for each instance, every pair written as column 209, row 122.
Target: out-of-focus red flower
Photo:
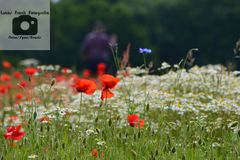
column 86, row 73
column 9, row 86
column 14, row 118
column 17, row 75
column 23, row 84
column 108, row 82
column 13, row 132
column 132, row 119
column 3, row 89
column 135, row 121
column 6, row 64
column 61, row 78
column 5, row 77
column 101, row 66
column 94, row 153
column 31, row 71
column 19, row 96
column 86, row 86
column 101, row 69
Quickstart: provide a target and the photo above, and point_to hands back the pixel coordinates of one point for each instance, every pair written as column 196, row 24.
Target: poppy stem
column 106, row 110
column 31, row 95
column 106, row 100
column 80, row 107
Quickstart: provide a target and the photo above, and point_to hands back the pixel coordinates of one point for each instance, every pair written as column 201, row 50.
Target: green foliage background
column 169, row 27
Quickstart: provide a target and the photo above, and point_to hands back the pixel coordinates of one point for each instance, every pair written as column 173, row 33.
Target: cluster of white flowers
column 164, row 66
column 29, row 62
column 49, row 68
column 136, row 71
column 208, row 88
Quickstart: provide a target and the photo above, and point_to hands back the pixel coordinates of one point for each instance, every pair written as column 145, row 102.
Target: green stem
column 145, row 95
column 178, row 79
column 117, row 64
column 145, row 61
column 145, row 85
column 80, row 107
column 106, row 109
column 115, row 58
column 106, row 100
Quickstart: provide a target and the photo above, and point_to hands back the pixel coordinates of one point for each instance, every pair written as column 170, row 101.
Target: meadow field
column 51, row 112
column 75, row 84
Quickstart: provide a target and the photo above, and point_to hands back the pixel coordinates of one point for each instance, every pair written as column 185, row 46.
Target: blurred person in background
column 95, row 48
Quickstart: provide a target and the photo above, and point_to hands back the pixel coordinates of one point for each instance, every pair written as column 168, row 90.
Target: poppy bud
column 53, row 82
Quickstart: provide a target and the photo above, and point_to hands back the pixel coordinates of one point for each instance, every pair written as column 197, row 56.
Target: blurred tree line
column 169, row 27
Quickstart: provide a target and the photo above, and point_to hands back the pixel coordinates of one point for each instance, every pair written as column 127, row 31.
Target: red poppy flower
column 61, row 78
column 108, row 82
column 101, row 69
column 6, row 64
column 5, row 77
column 3, row 89
column 17, row 74
column 135, row 121
column 101, row 66
column 31, row 71
column 86, row 86
column 23, row 84
column 9, row 86
column 19, row 96
column 13, row 132
column 94, row 153
column 86, row 73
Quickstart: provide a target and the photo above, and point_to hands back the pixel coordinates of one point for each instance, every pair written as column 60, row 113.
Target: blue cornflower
column 145, row 50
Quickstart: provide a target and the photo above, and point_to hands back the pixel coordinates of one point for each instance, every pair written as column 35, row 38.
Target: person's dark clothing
column 96, row 48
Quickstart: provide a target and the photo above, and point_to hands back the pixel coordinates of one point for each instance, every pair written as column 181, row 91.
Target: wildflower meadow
column 177, row 112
